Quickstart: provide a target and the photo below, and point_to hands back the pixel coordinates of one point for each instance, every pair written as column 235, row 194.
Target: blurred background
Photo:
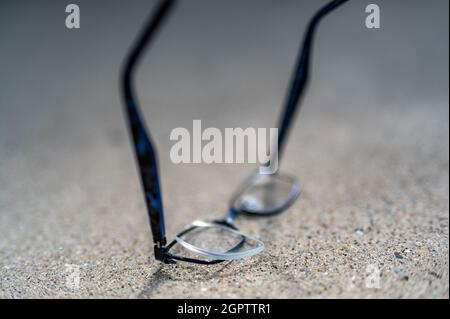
column 370, row 145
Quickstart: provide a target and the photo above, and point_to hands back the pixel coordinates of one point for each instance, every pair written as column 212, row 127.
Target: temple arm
column 144, row 149
column 301, row 74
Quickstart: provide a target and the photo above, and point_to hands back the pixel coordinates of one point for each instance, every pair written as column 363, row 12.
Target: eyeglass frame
column 145, row 150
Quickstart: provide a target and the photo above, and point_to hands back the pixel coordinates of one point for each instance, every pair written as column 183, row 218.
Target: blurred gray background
column 370, row 147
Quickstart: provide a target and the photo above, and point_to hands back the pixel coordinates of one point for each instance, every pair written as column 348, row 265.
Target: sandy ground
column 370, row 148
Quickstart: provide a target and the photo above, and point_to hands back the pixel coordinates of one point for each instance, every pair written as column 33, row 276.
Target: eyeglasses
column 260, row 194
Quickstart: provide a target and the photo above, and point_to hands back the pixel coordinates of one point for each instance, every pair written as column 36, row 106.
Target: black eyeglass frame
column 144, row 148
